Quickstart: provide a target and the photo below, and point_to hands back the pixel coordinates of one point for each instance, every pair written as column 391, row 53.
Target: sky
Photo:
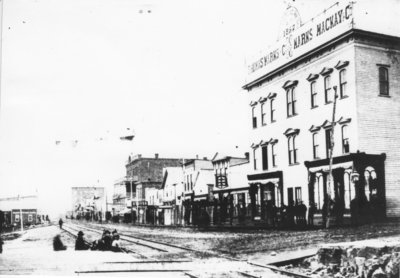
column 79, row 70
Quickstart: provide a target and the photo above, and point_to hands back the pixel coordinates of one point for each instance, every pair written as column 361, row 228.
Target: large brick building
column 291, row 93
column 142, row 174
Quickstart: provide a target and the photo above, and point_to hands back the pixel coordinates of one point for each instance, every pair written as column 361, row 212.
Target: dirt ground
column 243, row 243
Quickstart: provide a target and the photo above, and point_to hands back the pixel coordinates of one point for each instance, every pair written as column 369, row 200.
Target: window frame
column 292, row 150
column 263, row 114
column 383, row 84
column 264, row 157
column 327, row 89
column 313, row 94
column 343, row 83
column 273, row 155
column 254, row 117
column 272, row 110
column 315, row 145
column 254, row 158
column 291, row 101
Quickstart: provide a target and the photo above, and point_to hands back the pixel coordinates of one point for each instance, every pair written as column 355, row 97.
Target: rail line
column 140, row 241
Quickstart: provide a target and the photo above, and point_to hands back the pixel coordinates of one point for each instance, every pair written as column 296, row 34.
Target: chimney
column 197, row 156
column 156, row 155
column 205, row 158
column 139, row 156
column 247, row 155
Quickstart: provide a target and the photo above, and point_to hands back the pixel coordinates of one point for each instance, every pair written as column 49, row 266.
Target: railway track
column 188, row 264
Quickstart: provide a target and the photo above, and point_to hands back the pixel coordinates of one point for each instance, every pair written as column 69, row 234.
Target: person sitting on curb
column 80, row 243
column 103, row 244
column 116, row 244
column 57, row 244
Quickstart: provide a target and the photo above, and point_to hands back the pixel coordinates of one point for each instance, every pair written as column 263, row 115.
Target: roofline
column 315, row 50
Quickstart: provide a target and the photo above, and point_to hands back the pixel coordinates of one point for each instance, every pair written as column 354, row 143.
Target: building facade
column 143, row 174
column 88, row 202
column 331, row 84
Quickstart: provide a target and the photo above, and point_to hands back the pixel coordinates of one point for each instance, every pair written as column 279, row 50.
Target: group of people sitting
column 107, row 242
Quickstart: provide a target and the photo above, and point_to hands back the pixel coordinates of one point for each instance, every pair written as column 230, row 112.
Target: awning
column 325, row 168
column 265, row 181
column 124, row 211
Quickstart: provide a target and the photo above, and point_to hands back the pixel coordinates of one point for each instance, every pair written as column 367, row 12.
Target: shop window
column 349, row 190
column 313, row 94
column 319, row 191
column 291, row 101
column 272, row 106
column 328, row 89
column 298, row 195
column 264, row 151
column 292, row 150
column 30, row 218
column 345, row 139
column 315, row 145
column 263, row 115
column 254, row 117
column 383, row 81
column 342, row 83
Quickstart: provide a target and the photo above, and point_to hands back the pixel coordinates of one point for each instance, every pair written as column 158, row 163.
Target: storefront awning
column 325, row 168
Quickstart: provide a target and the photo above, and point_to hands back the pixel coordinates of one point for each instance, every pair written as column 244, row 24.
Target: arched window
column 319, row 191
column 342, row 83
column 370, row 179
column 383, row 81
column 349, row 190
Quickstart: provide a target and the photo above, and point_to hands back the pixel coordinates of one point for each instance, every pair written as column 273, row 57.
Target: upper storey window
column 253, row 113
column 343, row 83
column 313, row 84
column 290, row 87
column 328, row 89
column 383, row 81
column 326, row 72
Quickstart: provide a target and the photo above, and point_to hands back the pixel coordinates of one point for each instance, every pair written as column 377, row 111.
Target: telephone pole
column 330, row 183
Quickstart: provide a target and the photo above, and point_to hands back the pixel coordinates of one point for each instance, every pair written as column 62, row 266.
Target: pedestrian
column 60, row 222
column 57, row 244
column 80, row 243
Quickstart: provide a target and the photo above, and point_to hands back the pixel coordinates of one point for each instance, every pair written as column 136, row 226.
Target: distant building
column 142, row 174
column 172, row 188
column 198, row 180
column 350, row 51
column 13, row 207
column 89, row 202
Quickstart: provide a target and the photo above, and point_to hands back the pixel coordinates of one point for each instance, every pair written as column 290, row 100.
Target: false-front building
column 292, row 91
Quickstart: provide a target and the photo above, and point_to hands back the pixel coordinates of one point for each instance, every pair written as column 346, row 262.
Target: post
column 131, row 198
column 137, row 204
column 330, row 183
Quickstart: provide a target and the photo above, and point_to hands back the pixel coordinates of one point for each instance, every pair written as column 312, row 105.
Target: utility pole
column 330, row 176
column 20, row 214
